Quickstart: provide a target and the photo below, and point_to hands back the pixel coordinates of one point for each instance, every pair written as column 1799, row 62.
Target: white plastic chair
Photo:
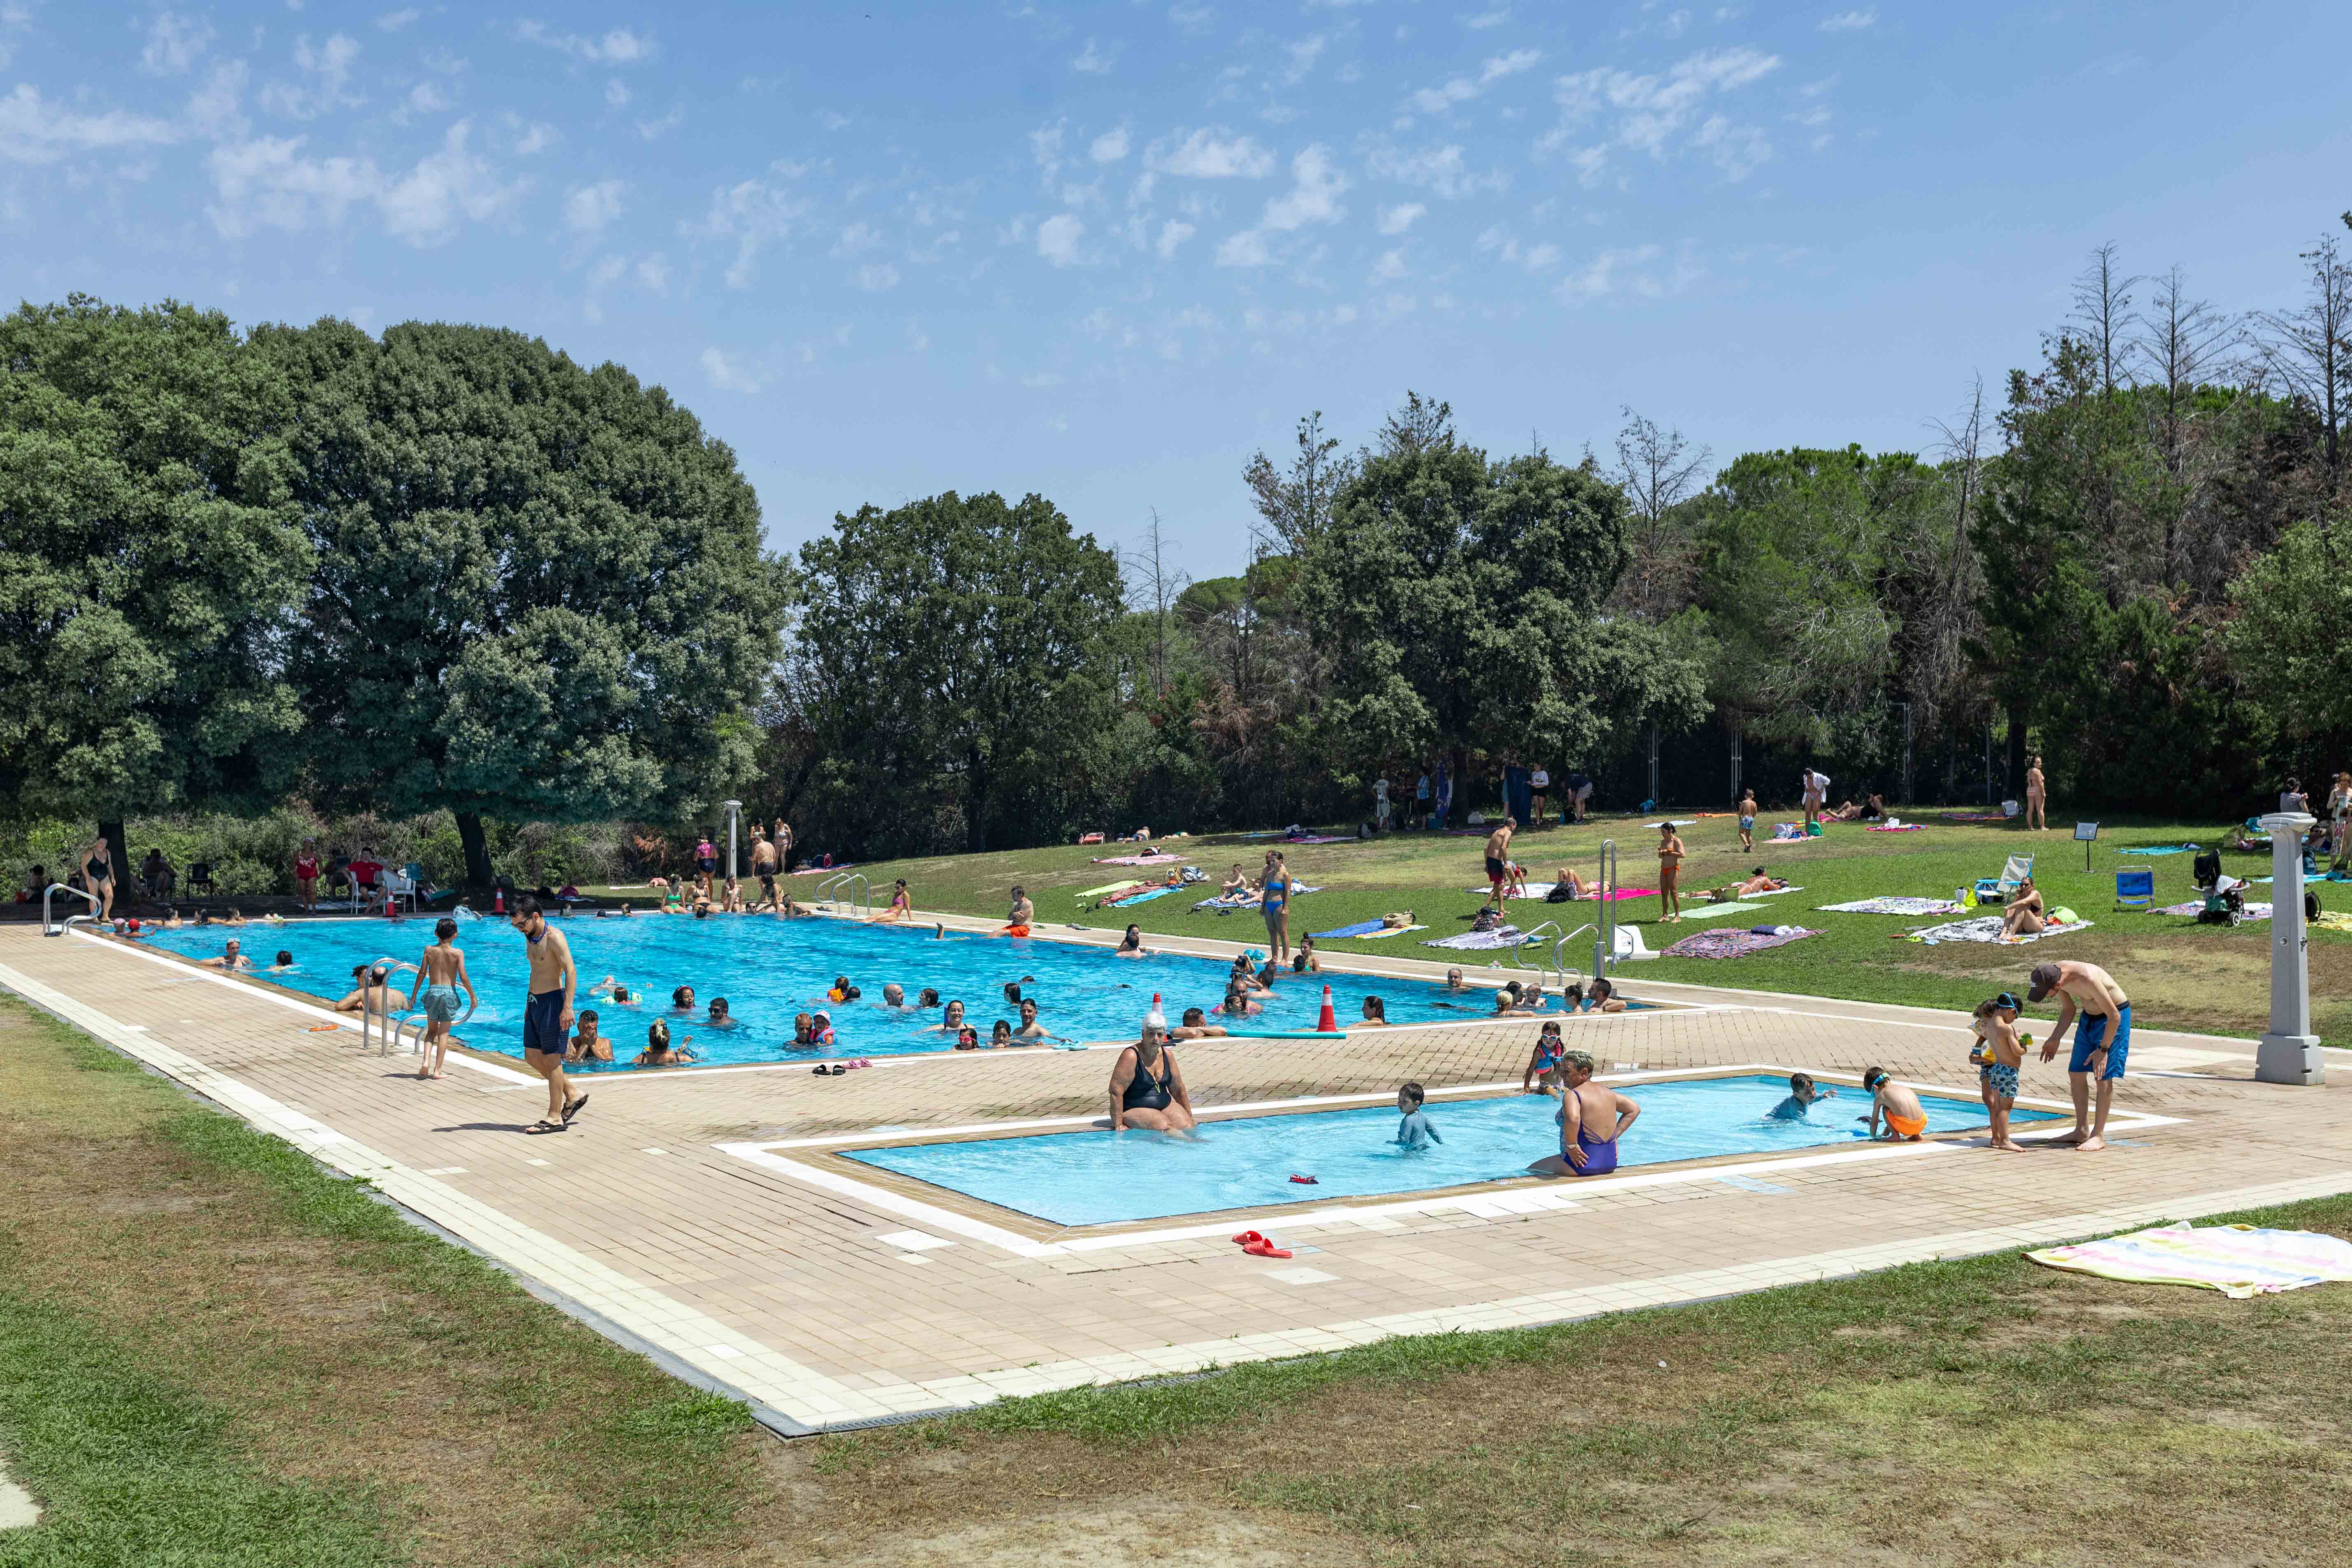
column 397, row 886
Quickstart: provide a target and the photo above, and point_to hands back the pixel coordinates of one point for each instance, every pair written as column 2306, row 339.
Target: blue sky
column 1104, row 252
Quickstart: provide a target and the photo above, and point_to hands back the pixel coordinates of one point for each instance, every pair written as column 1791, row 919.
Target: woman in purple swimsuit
column 1584, row 1110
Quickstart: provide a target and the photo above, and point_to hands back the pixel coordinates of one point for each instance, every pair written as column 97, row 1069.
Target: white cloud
column 426, row 205
column 857, row 240
column 1736, row 149
column 616, row 92
column 1210, row 153
column 33, row 130
column 652, row 271
column 1850, row 21
column 1494, row 18
column 328, row 66
column 1463, row 88
column 1173, row 233
column 1303, row 54
column 589, row 208
column 1440, row 169
column 1246, row 248
column 754, row 214
column 173, row 42
column 1390, row 267
column 1094, row 61
column 426, row 98
column 212, row 109
column 1314, row 197
column 654, row 130
column 1109, row 147
column 393, row 21
column 726, row 375
column 1650, row 111
column 1057, row 239
column 1630, row 270
column 619, row 47
column 1399, row 218
column 15, row 17
column 1192, row 18
column 537, row 137
column 877, row 276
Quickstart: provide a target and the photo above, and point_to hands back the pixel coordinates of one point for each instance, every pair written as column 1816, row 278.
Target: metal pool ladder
column 857, row 894
column 51, row 891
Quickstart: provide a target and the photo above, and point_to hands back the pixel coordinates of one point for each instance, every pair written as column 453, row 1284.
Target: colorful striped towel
column 1893, row 906
column 1392, row 930
column 1898, row 828
column 1109, row 887
column 1732, row 943
column 1144, row 897
column 2241, row 1261
column 1154, row 858
column 2197, row 907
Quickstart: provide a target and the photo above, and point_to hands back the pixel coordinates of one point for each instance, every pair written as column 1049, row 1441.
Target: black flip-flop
column 573, row 1109
column 544, row 1125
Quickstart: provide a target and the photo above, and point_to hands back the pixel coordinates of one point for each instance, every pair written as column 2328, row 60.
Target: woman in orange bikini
column 1670, row 867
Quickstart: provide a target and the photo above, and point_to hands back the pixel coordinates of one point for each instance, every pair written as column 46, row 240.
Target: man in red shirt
column 366, row 870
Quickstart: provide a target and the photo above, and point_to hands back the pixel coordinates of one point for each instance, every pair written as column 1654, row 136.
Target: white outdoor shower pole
column 734, row 816
column 2289, row 1053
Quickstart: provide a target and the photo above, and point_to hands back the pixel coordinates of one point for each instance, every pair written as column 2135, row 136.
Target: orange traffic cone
column 497, row 901
column 1326, row 1022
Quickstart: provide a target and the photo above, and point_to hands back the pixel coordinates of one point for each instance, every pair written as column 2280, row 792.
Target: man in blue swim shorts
column 2102, row 1043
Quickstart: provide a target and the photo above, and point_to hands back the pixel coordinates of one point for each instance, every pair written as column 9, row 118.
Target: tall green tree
column 1458, row 602
column 540, row 593
column 2290, row 626
column 954, row 667
column 150, row 557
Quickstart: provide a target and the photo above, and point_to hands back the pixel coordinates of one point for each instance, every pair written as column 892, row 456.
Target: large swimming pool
column 1100, row 1177
column 769, row 969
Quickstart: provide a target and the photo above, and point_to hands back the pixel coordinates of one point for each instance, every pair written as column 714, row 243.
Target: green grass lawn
column 2180, row 975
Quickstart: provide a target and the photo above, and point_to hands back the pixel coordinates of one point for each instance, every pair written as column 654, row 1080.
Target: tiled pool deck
column 695, row 1214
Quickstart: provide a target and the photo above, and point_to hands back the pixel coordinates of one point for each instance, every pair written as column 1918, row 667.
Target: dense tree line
column 449, row 570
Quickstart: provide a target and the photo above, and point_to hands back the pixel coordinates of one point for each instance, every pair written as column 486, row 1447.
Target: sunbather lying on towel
column 1757, row 883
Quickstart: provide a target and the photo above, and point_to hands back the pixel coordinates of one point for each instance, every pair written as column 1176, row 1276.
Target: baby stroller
column 2224, row 896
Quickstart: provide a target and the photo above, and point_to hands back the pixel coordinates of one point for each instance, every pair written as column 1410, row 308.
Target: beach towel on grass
column 1894, row 906
column 1109, row 887
column 2159, row 849
column 1987, row 928
column 1338, row 934
column 2241, row 1261
column 1898, row 827
column 1391, row 930
column 1323, row 838
column 1480, row 940
column 1225, row 906
column 1772, row 892
column 2332, row 920
column 1154, row 858
column 1732, row 943
column 1145, row 896
column 1708, row 911
column 2197, row 907
column 1537, row 890
column 1973, row 817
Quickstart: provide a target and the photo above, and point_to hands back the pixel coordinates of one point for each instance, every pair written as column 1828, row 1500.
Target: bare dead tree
column 2103, row 311
column 2309, row 348
column 1658, row 470
column 1155, row 590
column 1938, row 630
column 2183, row 344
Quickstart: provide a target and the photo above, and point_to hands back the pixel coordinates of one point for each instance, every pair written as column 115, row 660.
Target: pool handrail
column 1559, row 965
column 1542, row 967
column 1604, row 938
column 846, row 880
column 392, row 1027
column 51, row 891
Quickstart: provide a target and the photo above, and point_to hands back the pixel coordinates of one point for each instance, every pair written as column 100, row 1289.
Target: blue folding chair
column 2135, row 890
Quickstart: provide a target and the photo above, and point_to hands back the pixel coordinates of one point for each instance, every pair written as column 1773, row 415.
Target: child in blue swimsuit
column 1415, row 1131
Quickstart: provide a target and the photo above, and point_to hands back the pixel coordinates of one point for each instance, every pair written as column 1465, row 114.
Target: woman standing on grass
column 1670, row 870
column 1273, row 902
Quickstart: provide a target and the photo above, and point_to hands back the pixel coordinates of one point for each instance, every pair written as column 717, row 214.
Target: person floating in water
column 1586, row 1109
column 1802, row 1095
column 1415, row 1132
column 1906, row 1119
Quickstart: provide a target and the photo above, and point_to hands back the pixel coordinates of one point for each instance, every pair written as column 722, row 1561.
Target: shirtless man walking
column 2102, row 1041
column 547, row 1012
column 1498, row 862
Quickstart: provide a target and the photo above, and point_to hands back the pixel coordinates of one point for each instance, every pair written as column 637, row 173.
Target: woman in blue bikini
column 1275, row 903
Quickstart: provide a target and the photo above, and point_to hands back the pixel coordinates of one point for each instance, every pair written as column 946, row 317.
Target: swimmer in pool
column 1802, row 1095
column 1196, row 1026
column 1603, row 999
column 720, row 1018
column 1000, row 1037
column 804, row 1029
column 1237, row 1001
column 1585, row 1110
column 1376, row 1013
column 950, row 1022
column 894, row 997
column 929, row 997
column 1030, row 1029
column 1415, row 1131
column 682, row 999
column 1131, row 945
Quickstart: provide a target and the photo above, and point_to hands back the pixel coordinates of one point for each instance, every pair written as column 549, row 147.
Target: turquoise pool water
column 769, row 969
column 1100, row 1177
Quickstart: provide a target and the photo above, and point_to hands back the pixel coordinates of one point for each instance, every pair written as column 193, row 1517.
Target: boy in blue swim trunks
column 2101, row 1044
column 439, row 974
column 1802, row 1092
column 1999, row 1052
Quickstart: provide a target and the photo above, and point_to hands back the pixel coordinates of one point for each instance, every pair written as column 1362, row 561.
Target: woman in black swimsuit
column 97, row 870
column 1147, row 1091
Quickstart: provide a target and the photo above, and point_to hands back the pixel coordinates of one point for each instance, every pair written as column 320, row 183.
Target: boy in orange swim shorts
column 1906, row 1119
